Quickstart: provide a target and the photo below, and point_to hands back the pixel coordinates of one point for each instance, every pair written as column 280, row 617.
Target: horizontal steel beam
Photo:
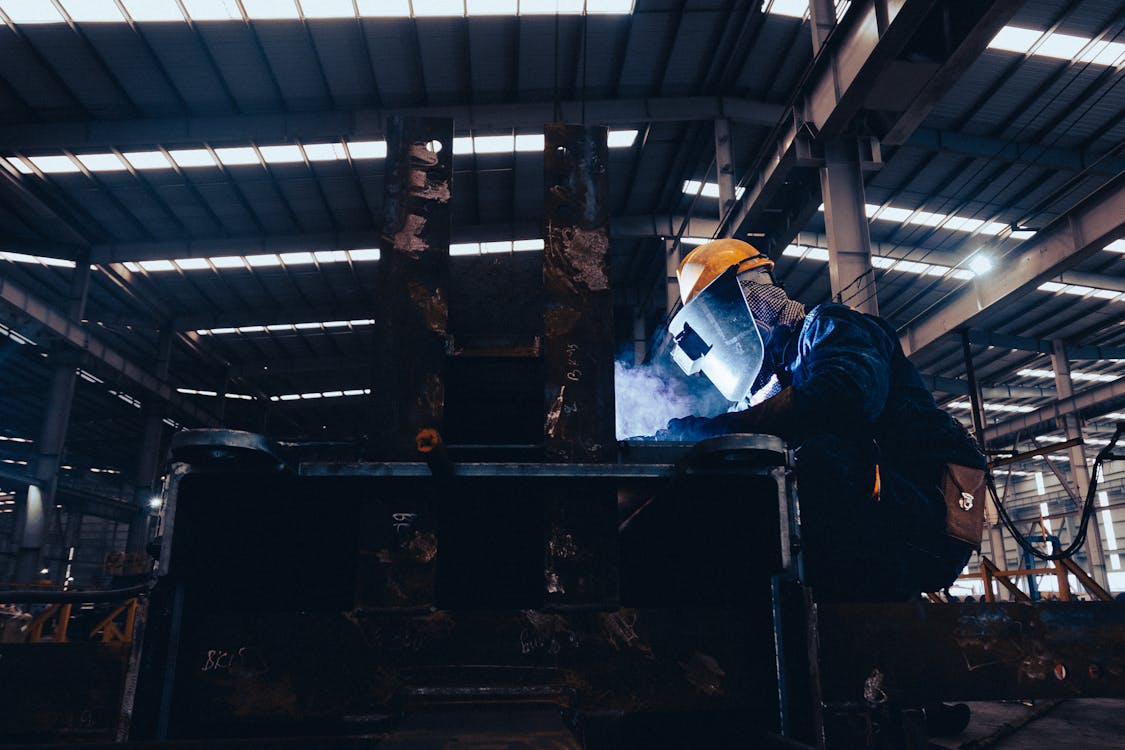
column 851, row 73
column 1092, row 402
column 961, row 388
column 76, row 335
column 120, row 252
column 362, row 124
column 984, row 147
column 1084, row 230
column 1044, row 346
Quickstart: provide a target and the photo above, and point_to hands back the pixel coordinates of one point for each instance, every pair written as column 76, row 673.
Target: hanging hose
column 1105, row 454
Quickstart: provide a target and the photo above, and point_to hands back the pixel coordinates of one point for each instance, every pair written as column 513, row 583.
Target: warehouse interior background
column 191, row 197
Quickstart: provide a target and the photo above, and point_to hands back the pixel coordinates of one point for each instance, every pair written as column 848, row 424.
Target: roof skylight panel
column 263, row 261
column 237, row 157
column 493, row 144
column 495, row 247
column 550, row 7
column 192, row 264
column 228, row 261
column 522, row 246
column 365, row 254
column 369, row 149
column 265, row 10
column 462, row 145
column 327, row 8
column 101, row 162
column 1058, row 46
column 384, row 8
column 492, row 7
column 281, row 154
column 464, row 248
column 153, row 10
column 192, row 157
column 20, row 165
column 157, row 265
column 620, row 138
column 92, row 11
column 297, row 259
column 147, row 159
column 325, row 152
column 213, row 10
column 790, row 8
column 1015, row 39
column 31, row 11
column 54, row 164
column 1117, row 246
column 436, row 8
column 531, row 142
column 330, row 256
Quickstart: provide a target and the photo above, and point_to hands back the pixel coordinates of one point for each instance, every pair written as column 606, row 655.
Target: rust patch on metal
column 408, row 240
column 704, row 674
column 619, row 630
column 431, row 305
column 554, row 413
column 546, row 632
column 582, row 253
column 423, row 154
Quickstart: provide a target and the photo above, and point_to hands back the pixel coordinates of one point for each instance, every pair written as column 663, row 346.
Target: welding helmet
column 707, row 262
column 714, row 333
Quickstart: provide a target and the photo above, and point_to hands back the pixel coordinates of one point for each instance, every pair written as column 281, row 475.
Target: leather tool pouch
column 964, row 491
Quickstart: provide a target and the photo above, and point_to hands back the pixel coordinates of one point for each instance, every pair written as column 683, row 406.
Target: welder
column 890, row 486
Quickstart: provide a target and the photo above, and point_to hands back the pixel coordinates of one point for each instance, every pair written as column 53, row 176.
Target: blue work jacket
column 851, row 378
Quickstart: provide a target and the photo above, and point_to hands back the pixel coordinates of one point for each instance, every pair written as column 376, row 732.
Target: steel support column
column 34, row 516
column 724, row 166
column 1079, row 470
column 671, row 280
column 150, row 450
column 412, row 309
column 995, row 533
column 845, row 219
column 578, row 345
column 580, row 549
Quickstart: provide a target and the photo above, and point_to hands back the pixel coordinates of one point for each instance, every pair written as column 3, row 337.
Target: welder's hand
column 691, row 429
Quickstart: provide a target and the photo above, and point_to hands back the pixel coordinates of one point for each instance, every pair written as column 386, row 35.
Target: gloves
column 690, row 429
column 776, row 416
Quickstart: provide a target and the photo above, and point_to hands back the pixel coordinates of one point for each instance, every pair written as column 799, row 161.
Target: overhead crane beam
column 1084, row 230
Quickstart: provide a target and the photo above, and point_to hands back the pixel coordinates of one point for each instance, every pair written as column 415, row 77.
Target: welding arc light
column 155, row 502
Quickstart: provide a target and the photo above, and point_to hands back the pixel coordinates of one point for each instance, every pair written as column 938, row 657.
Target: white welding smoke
column 648, row 396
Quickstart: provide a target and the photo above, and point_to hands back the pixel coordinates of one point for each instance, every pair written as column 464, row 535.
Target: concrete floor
column 1084, row 724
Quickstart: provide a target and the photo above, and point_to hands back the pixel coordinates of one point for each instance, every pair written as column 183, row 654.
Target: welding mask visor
column 715, row 334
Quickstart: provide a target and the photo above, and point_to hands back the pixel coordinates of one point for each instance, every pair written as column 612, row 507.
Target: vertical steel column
column 724, row 166
column 995, row 532
column 845, row 220
column 671, row 280
column 578, row 345
column 1079, row 470
column 412, row 309
column 822, row 19
column 150, row 449
column 580, row 551
column 39, row 500
column 640, row 335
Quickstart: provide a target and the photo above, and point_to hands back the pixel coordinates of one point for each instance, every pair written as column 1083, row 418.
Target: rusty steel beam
column 412, row 309
column 578, row 345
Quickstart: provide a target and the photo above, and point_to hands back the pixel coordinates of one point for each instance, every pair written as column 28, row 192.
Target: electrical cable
column 1105, row 454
